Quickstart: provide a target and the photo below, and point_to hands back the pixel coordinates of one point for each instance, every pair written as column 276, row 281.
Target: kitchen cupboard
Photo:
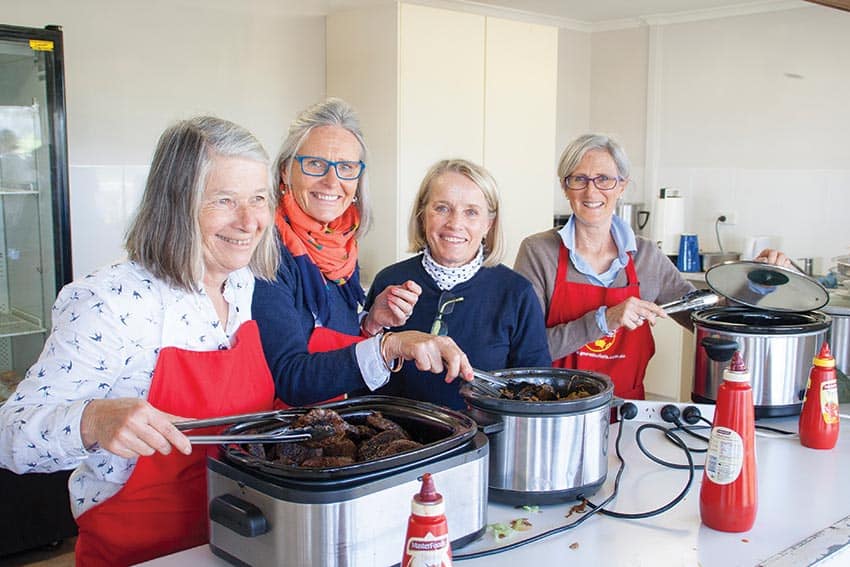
column 429, row 84
column 669, row 375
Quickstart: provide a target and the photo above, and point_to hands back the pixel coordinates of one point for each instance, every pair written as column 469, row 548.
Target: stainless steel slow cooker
column 548, row 451
column 269, row 513
column 775, row 325
column 839, row 334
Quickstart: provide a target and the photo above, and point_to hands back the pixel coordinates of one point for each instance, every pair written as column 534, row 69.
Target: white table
column 800, row 497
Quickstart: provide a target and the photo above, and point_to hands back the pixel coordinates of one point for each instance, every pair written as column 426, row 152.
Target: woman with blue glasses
column 597, row 282
column 487, row 308
column 318, row 341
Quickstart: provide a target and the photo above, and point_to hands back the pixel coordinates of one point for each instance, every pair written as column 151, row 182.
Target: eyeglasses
column 601, row 182
column 445, row 306
column 318, row 167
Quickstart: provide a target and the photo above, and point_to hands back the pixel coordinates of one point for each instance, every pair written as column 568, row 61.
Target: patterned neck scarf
column 447, row 278
column 323, row 252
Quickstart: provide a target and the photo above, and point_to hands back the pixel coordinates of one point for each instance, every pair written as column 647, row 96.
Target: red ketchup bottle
column 727, row 498
column 819, row 420
column 427, row 541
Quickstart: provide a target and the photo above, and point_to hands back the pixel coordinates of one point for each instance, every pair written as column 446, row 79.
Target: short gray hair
column 330, row 112
column 576, row 149
column 494, row 241
column 165, row 235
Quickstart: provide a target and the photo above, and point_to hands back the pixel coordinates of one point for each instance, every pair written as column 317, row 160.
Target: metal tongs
column 693, row 300
column 488, row 384
column 283, row 434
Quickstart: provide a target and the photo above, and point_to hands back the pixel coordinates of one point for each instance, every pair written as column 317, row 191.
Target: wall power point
column 727, row 218
column 651, row 411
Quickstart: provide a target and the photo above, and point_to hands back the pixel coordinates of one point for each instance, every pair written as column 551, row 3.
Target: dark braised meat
column 381, row 423
column 399, row 446
column 529, row 392
column 372, row 437
column 325, row 421
column 323, row 462
column 372, row 448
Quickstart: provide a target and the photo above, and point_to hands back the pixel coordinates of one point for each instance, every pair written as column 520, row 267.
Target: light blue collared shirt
column 624, row 239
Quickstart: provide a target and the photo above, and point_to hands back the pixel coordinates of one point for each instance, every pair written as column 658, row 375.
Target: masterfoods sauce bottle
column 427, row 541
column 819, row 419
column 728, row 495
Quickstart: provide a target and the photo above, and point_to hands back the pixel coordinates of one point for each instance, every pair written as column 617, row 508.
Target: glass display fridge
column 35, row 255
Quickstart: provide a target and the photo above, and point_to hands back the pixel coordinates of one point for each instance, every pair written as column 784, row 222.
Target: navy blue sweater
column 286, row 324
column 499, row 324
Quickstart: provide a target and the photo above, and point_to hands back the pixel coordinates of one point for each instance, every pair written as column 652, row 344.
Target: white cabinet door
column 441, row 95
column 519, row 140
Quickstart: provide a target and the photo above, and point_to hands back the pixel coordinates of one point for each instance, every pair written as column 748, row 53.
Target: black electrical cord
column 594, row 510
column 763, row 428
column 675, row 439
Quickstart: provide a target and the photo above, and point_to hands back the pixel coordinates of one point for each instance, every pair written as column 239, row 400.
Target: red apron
column 623, row 356
column 323, row 339
column 163, row 507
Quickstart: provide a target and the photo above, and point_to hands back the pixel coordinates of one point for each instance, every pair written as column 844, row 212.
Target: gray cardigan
column 537, row 260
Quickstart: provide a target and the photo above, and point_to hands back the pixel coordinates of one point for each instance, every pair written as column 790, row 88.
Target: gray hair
column 494, row 241
column 330, row 112
column 165, row 235
column 576, row 149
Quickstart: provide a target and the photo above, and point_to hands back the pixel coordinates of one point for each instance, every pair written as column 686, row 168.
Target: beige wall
column 134, row 67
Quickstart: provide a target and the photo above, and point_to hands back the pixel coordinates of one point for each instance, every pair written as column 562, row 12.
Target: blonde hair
column 494, row 241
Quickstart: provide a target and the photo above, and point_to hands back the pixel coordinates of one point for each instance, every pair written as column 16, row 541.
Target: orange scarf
column 331, row 247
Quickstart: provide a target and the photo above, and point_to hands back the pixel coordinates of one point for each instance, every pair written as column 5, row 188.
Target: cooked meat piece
column 371, row 448
column 325, row 421
column 323, row 462
column 291, row 453
column 381, row 423
column 344, row 447
column 256, row 450
column 399, row 446
column 360, row 432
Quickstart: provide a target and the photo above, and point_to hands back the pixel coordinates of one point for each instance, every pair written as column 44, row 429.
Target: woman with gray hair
column 318, row 340
column 142, row 344
column 488, row 309
column 597, row 282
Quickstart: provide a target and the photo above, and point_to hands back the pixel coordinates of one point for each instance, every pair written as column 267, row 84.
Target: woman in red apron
column 599, row 284
column 318, row 341
column 164, row 337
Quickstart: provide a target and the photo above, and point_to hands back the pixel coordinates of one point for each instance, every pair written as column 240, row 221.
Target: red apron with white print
column 163, row 507
column 624, row 356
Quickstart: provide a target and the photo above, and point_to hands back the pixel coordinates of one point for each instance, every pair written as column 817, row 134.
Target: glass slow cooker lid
column 765, row 286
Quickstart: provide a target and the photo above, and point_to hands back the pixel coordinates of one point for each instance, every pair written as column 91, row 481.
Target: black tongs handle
column 279, row 415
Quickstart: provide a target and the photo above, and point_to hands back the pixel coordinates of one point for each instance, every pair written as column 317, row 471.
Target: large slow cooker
column 773, row 322
column 544, row 452
column 269, row 513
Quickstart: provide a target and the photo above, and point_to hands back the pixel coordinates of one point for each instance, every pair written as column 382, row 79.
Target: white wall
column 132, row 68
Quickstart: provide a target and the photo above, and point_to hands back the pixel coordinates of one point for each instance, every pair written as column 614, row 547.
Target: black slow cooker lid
column 765, row 286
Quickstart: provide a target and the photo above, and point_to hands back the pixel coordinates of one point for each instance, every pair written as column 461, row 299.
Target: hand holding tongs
column 281, row 434
column 693, row 300
column 487, row 383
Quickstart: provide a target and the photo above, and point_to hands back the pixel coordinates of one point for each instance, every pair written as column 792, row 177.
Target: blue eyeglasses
column 601, row 182
column 318, row 167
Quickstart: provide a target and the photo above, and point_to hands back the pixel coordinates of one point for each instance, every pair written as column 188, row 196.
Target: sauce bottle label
column 829, row 401
column 429, row 551
column 725, row 455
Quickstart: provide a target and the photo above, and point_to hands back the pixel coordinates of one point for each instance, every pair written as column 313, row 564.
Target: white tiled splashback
column 806, row 212
column 103, row 199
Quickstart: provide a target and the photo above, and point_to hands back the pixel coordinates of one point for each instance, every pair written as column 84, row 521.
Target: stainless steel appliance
column 775, row 326
column 269, row 513
column 548, row 451
column 35, row 254
column 839, row 334
column 636, row 215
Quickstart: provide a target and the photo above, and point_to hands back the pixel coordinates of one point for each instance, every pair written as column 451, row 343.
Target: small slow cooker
column 548, row 451
column 775, row 325
column 268, row 513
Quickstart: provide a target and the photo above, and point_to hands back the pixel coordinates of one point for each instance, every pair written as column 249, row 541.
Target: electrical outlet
column 650, row 411
column 731, row 218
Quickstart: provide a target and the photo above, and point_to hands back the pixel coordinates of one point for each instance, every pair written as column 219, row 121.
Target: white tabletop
column 803, row 515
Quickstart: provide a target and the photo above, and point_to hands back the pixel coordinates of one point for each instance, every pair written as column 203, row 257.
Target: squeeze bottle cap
column 824, row 358
column 427, row 502
column 737, row 371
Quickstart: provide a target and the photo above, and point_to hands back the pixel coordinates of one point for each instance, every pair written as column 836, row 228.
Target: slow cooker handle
column 238, row 515
column 487, row 423
column 718, row 349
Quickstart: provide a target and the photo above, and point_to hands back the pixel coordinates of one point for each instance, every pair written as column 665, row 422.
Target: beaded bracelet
column 397, row 363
